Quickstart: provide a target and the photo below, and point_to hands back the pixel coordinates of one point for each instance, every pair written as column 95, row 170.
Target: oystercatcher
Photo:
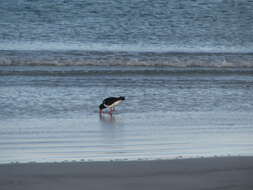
column 110, row 103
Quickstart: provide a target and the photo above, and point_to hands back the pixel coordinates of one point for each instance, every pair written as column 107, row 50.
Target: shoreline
column 129, row 161
column 233, row 172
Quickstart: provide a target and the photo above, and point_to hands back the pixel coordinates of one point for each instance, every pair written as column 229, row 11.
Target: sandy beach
column 233, row 173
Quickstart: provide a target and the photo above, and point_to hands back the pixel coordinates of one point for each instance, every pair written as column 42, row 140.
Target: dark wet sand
column 233, row 173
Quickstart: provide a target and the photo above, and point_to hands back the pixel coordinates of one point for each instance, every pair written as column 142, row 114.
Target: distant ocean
column 210, row 33
column 185, row 68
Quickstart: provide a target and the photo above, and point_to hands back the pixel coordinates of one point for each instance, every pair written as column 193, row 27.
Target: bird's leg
column 110, row 110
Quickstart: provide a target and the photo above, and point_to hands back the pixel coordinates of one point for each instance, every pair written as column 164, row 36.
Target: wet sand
column 233, row 173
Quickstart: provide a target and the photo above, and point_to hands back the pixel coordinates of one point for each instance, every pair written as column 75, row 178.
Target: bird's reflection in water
column 107, row 120
column 111, row 129
column 112, row 132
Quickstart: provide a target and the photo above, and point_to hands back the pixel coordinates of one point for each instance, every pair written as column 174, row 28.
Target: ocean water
column 51, row 113
column 185, row 68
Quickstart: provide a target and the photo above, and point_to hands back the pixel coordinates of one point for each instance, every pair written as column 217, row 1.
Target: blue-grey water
column 185, row 68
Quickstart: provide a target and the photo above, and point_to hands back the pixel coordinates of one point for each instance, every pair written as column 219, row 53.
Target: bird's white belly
column 115, row 104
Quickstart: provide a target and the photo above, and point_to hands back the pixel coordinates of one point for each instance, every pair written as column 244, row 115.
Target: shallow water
column 51, row 113
column 126, row 136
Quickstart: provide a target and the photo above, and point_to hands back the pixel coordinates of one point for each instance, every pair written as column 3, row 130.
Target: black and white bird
column 110, row 103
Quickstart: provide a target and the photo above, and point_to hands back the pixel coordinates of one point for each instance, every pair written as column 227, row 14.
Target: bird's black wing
column 110, row 100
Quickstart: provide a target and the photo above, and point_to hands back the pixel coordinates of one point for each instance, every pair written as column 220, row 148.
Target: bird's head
column 122, row 98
